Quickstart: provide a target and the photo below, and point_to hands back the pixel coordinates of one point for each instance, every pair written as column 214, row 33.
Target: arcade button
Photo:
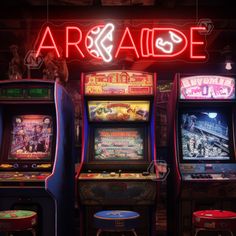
column 193, row 176
column 40, row 177
column 209, row 176
column 34, row 165
column 17, row 220
column 16, row 165
column 145, row 173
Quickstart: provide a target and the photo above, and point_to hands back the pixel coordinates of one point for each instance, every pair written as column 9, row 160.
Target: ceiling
column 19, row 19
column 161, row 3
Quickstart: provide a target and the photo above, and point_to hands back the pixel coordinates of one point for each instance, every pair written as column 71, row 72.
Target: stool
column 214, row 220
column 18, row 220
column 116, row 221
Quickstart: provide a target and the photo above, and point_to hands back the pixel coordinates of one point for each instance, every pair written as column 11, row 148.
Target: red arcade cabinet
column 202, row 151
column 118, row 146
column 36, row 161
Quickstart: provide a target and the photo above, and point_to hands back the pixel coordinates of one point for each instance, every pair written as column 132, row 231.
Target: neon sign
column 105, row 42
column 207, row 87
column 97, row 38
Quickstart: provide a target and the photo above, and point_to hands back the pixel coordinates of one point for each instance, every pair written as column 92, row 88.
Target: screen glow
column 205, row 135
column 31, row 137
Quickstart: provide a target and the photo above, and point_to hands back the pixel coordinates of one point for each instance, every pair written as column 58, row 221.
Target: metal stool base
column 102, row 230
column 212, row 230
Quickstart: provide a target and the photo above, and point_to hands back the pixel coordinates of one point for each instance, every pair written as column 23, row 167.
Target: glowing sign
column 207, row 87
column 97, row 39
column 119, row 83
column 118, row 110
column 106, row 42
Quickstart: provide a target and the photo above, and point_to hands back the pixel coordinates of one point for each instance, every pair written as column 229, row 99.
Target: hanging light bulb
column 228, row 65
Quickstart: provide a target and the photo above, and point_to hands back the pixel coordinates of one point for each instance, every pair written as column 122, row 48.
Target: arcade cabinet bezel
column 114, row 165
column 140, row 167
column 219, row 104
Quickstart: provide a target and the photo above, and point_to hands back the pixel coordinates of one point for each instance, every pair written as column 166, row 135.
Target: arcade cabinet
column 202, row 149
column 36, row 162
column 118, row 146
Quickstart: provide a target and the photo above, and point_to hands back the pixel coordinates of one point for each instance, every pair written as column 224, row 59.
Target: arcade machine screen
column 118, row 144
column 205, row 135
column 31, row 137
column 118, row 110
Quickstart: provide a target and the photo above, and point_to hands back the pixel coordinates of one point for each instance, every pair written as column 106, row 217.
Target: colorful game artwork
column 205, row 135
column 207, row 87
column 31, row 137
column 118, row 144
column 119, row 110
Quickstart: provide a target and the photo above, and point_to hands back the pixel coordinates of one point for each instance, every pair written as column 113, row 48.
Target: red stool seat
column 17, row 220
column 215, row 220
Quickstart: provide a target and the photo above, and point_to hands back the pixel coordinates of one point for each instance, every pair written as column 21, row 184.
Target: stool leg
column 196, row 232
column 231, row 233
column 33, row 232
column 134, row 232
column 98, row 232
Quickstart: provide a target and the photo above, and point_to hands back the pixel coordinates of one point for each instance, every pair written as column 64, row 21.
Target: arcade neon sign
column 105, row 42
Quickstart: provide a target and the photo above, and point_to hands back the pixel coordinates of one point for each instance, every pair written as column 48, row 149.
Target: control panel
column 204, row 176
column 8, row 176
column 25, row 166
column 208, row 172
column 117, row 176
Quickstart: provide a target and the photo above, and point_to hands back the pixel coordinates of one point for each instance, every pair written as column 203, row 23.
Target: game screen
column 31, row 137
column 205, row 135
column 118, row 110
column 118, row 144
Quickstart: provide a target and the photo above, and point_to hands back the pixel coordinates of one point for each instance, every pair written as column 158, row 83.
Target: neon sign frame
column 98, row 42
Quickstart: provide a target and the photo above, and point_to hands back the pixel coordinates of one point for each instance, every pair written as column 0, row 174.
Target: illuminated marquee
column 207, row 87
column 105, row 42
column 119, row 83
column 118, row 110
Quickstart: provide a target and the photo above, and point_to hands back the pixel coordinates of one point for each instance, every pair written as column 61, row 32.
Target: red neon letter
column 145, row 42
column 195, row 43
column 53, row 46
column 127, row 32
column 73, row 43
column 170, row 46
